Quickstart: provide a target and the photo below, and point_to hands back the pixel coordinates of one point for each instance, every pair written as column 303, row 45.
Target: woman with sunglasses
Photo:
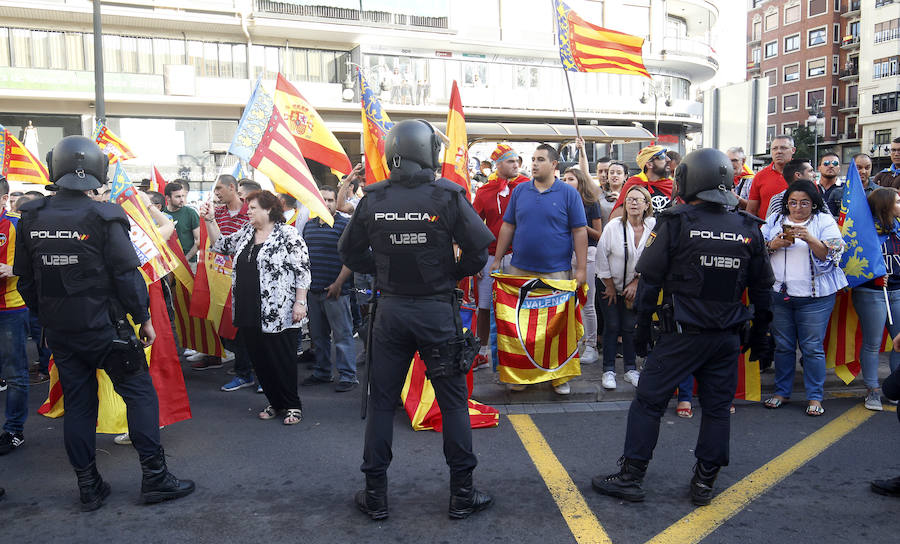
column 805, row 245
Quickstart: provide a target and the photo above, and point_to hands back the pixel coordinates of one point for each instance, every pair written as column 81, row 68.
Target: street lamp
column 816, row 118
column 657, row 89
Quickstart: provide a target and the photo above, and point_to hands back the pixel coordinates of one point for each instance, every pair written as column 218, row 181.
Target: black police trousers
column 712, row 358
column 77, row 356
column 402, row 326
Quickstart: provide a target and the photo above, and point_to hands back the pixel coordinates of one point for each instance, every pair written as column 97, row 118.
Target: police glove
column 642, row 340
column 761, row 344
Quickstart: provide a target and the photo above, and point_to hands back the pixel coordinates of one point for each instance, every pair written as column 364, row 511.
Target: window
column 21, row 47
column 791, row 43
column 773, row 105
column 772, row 76
column 754, row 55
column 771, row 20
column 853, row 30
column 836, row 33
column 757, row 30
column 888, row 30
column 74, row 51
column 129, row 55
column 792, row 13
column 225, row 65
column 771, row 50
column 880, row 3
column 837, row 5
column 886, row 67
column 815, row 67
column 852, row 96
column 791, row 73
column 882, row 137
column 789, row 128
column 817, row 36
column 790, row 102
column 817, row 7
column 4, row 47
column 239, row 55
column 814, row 97
column 111, row 47
column 771, row 131
column 145, row 55
column 834, row 96
column 834, row 64
column 834, row 123
column 886, row 102
column 851, row 126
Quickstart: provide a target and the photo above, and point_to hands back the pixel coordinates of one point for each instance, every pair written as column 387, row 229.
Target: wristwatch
column 300, row 302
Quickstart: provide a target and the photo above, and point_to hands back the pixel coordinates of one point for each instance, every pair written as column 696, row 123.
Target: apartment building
column 878, row 116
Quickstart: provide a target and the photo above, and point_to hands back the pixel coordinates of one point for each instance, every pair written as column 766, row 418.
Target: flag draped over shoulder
column 376, row 124
column 863, row 260
column 584, row 47
column 111, row 144
column 211, row 296
column 538, row 328
column 455, row 165
column 17, row 163
column 264, row 140
column 316, row 142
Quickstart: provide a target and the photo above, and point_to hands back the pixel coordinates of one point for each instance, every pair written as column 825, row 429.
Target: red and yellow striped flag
column 17, row 163
column 843, row 338
column 157, row 182
column 211, row 296
column 195, row 333
column 455, row 165
column 584, row 47
column 264, row 140
column 538, row 328
column 111, row 144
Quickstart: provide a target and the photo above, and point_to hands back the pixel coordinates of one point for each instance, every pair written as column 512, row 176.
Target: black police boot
column 625, row 484
column 465, row 500
column 158, row 483
column 372, row 501
column 702, row 483
column 890, row 488
column 91, row 487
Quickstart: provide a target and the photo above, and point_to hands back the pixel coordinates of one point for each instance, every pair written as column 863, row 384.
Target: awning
column 546, row 132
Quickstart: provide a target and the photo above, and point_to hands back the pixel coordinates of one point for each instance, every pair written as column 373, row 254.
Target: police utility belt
column 125, row 356
column 668, row 324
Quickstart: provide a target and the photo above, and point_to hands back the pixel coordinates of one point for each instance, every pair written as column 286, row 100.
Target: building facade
column 879, row 77
column 177, row 74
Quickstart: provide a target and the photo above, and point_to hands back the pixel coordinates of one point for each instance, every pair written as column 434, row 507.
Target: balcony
column 692, row 57
column 753, row 68
column 350, row 15
column 850, row 107
column 849, row 74
column 847, row 137
column 849, row 43
column 852, row 10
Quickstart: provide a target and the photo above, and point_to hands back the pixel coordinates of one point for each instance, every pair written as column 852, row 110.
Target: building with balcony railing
column 879, row 76
column 179, row 73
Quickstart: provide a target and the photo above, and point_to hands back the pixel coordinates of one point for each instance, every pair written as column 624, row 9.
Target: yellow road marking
column 571, row 503
column 695, row 526
column 890, row 408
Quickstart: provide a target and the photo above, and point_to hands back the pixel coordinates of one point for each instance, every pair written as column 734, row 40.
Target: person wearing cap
column 703, row 255
column 490, row 202
column 654, row 176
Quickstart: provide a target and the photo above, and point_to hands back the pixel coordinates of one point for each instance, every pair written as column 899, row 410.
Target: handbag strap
column 625, row 246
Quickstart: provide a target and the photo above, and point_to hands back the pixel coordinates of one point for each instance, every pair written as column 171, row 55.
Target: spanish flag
column 19, row 164
column 455, row 165
column 157, row 182
column 584, row 47
column 316, row 142
column 538, row 328
column 195, row 333
column 211, row 297
column 376, row 124
column 111, row 144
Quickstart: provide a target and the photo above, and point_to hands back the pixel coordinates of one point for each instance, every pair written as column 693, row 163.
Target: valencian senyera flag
column 584, row 47
column 455, row 164
column 195, row 333
column 538, row 328
column 211, row 296
column 843, row 339
column 111, row 144
column 316, row 142
column 265, row 142
column 154, row 254
column 376, row 124
column 17, row 163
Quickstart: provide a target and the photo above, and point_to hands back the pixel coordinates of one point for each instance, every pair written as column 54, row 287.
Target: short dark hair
column 227, row 179
column 896, row 140
column 35, row 193
column 173, row 187
column 4, row 186
column 16, row 193
column 673, row 155
column 811, row 191
column 249, row 185
column 552, row 153
column 792, row 167
column 829, row 154
column 604, row 159
column 184, row 183
column 858, row 155
column 24, row 199
column 157, row 198
column 288, row 200
column 268, row 202
column 331, row 188
column 620, row 163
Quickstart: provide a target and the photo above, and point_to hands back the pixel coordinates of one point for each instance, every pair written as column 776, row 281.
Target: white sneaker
column 590, row 355
column 609, row 380
column 197, row 356
column 873, row 401
column 562, row 389
column 517, row 387
column 227, row 356
column 632, row 377
column 188, row 352
column 122, row 439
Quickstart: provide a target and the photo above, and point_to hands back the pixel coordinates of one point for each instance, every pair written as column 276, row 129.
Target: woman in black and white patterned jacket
column 269, row 282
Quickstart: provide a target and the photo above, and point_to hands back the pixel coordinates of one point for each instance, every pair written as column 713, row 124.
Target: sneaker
column 195, row 357
column 227, row 356
column 562, row 389
column 873, row 401
column 2, row 385
column 259, row 390
column 207, row 363
column 122, row 439
column 238, row 383
column 188, row 352
column 517, row 387
column 590, row 356
column 481, row 362
column 9, row 442
column 39, row 378
column 632, row 377
column 343, row 387
column 609, row 380
column 312, row 379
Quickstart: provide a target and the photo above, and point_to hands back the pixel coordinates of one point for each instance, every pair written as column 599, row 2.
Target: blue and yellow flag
column 376, row 124
column 863, row 260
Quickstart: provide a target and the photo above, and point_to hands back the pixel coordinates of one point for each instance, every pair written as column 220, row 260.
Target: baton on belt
column 373, row 306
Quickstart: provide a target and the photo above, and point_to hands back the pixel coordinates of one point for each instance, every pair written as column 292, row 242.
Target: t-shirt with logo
column 660, row 191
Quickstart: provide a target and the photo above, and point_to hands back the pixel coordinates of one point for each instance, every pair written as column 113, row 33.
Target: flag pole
column 572, row 101
column 887, row 305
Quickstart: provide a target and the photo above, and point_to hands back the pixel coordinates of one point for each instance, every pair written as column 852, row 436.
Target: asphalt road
column 260, row 481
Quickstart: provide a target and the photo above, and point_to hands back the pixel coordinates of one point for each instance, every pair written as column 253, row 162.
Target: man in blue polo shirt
column 545, row 223
column 329, row 299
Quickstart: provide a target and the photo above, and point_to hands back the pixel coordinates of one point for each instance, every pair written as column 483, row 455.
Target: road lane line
column 571, row 503
column 890, row 408
column 695, row 526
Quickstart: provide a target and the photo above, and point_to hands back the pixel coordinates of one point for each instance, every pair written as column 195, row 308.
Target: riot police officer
column 78, row 273
column 702, row 254
column 403, row 231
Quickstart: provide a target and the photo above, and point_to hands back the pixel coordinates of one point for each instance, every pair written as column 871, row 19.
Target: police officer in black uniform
column 702, row 254
column 78, row 272
column 403, row 232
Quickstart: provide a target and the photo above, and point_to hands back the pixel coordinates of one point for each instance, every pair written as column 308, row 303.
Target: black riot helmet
column 413, row 140
column 706, row 174
column 77, row 163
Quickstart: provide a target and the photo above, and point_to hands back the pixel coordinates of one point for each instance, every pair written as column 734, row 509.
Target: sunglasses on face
column 830, row 163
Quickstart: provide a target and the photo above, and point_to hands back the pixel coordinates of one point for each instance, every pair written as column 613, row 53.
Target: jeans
column 800, row 321
column 330, row 320
column 686, row 389
column 14, row 367
column 618, row 321
column 870, row 307
column 589, row 311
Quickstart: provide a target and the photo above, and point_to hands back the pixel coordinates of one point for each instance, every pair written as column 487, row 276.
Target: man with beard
column 832, row 191
column 654, row 176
